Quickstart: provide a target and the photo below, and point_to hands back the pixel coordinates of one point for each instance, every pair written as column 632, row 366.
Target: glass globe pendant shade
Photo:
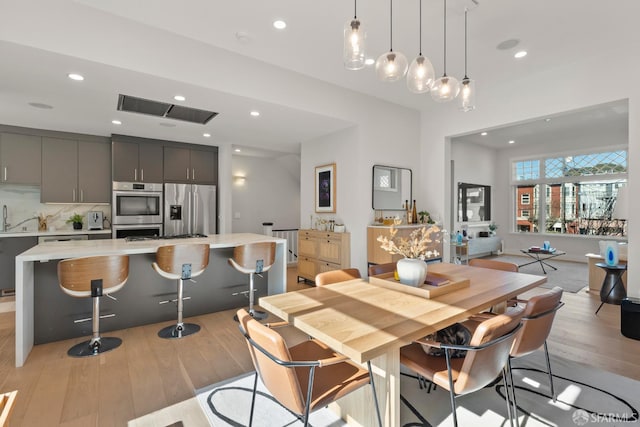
column 421, row 75
column 467, row 95
column 391, row 66
column 445, row 89
column 354, row 45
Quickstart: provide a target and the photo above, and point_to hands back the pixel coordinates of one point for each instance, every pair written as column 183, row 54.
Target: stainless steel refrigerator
column 189, row 209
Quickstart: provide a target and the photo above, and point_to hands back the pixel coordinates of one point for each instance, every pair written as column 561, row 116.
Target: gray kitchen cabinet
column 10, row 247
column 137, row 161
column 75, row 171
column 190, row 165
column 20, row 157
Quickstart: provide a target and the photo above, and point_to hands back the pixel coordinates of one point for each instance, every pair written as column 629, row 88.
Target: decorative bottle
column 408, row 209
column 414, row 213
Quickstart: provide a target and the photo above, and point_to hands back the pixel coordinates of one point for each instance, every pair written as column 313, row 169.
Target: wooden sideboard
column 377, row 255
column 320, row 251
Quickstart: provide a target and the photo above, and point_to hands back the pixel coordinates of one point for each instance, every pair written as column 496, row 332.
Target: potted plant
column 425, row 217
column 76, row 220
column 492, row 228
column 412, row 270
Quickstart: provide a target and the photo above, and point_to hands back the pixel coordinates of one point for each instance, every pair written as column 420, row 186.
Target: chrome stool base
column 84, row 348
column 177, row 331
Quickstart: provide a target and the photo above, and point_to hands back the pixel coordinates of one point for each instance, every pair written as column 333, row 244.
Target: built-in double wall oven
column 137, row 209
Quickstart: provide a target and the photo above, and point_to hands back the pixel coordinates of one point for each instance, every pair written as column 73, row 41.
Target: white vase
column 411, row 271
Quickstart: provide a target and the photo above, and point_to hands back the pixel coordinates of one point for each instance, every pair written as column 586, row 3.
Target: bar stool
column 253, row 258
column 181, row 262
column 92, row 277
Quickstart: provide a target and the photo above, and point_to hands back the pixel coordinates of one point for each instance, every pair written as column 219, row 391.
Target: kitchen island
column 44, row 313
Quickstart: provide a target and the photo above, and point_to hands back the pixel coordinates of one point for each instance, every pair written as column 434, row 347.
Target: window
column 579, row 193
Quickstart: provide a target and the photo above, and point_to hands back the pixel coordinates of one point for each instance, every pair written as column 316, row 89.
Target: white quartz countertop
column 80, row 248
column 69, row 232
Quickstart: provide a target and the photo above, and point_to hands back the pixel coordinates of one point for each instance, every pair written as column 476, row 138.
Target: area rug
column 586, row 396
column 570, row 276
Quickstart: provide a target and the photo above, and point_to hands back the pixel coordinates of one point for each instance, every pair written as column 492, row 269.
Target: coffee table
column 541, row 256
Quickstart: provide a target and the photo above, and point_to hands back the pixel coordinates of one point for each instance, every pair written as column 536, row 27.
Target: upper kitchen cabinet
column 137, row 161
column 190, row 165
column 20, row 158
column 75, row 171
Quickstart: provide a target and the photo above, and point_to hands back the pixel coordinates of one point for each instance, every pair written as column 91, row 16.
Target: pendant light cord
column 465, row 44
column 420, row 27
column 355, row 9
column 391, row 26
column 445, row 37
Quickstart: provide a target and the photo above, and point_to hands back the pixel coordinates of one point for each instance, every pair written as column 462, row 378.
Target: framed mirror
column 474, row 202
column 391, row 187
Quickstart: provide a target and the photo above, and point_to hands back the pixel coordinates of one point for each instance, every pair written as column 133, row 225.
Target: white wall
column 569, row 86
column 270, row 192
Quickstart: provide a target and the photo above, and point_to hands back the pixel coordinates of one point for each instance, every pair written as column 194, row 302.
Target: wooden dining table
column 366, row 322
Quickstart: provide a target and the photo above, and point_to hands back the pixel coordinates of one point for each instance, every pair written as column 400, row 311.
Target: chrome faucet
column 5, row 225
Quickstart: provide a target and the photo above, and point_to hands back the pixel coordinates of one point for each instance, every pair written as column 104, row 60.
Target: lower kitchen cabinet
column 320, row 251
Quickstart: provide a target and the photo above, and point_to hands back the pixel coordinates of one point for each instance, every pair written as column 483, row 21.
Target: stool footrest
column 88, row 319
column 173, row 300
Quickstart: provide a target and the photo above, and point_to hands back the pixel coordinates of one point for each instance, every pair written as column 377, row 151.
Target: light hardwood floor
column 147, row 373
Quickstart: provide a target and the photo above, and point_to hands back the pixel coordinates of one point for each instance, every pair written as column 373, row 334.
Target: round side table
column 612, row 291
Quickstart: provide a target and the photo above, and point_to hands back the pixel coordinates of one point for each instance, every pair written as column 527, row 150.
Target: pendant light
column 421, row 75
column 391, row 66
column 468, row 92
column 354, row 42
column 446, row 88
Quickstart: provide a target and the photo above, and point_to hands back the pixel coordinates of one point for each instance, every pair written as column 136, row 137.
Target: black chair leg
column 375, row 395
column 253, row 398
column 452, row 396
column 546, row 353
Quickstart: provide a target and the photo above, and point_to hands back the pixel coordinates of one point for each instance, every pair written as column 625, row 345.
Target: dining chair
column 537, row 320
column 304, row 377
column 486, row 357
column 7, row 402
column 335, row 276
column 377, row 269
column 493, row 264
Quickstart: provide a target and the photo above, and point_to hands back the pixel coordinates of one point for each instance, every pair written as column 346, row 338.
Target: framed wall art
column 325, row 183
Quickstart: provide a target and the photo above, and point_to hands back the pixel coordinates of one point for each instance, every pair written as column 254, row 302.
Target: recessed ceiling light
column 116, row 122
column 369, row 61
column 75, row 76
column 206, row 135
column 508, row 44
column 483, row 134
column 255, row 113
column 520, row 54
column 243, row 37
column 279, row 24
column 41, row 105
column 512, row 142
column 547, row 120
column 179, row 98
column 237, row 150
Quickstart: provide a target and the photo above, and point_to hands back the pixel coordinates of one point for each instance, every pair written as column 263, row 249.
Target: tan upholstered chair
column 305, row 377
column 493, row 264
column 335, row 276
column 180, row 263
column 92, row 277
column 251, row 259
column 486, row 357
column 376, row 269
column 7, row 402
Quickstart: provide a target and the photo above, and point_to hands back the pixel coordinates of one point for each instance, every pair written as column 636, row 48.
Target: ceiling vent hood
column 132, row 104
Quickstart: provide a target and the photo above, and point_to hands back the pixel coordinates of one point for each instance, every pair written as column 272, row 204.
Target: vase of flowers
column 412, row 269
column 492, row 228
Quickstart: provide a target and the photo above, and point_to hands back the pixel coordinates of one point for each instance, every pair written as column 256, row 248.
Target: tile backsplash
column 23, row 207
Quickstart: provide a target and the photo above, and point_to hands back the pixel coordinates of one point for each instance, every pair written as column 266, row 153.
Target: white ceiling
column 42, row 40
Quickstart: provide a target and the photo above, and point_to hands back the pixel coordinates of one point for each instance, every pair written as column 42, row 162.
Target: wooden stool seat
column 181, row 262
column 253, row 258
column 92, row 277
